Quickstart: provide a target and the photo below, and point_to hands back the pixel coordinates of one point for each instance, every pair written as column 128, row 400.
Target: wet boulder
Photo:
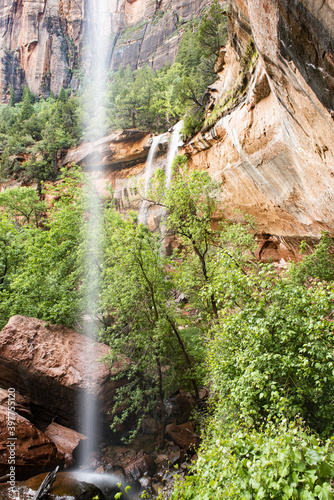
column 24, row 450
column 68, row 441
column 142, row 465
column 183, row 435
column 65, row 487
column 53, row 367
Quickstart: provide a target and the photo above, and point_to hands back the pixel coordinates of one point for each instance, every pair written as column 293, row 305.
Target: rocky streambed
column 43, row 374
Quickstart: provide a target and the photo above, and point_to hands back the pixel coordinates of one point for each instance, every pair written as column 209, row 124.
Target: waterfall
column 97, row 45
column 174, row 144
column 172, row 150
column 148, row 174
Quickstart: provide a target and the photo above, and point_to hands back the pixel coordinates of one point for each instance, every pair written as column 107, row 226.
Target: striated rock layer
column 273, row 148
column 42, row 41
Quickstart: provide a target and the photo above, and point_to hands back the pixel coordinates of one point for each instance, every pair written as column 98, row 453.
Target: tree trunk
column 163, row 409
column 186, row 355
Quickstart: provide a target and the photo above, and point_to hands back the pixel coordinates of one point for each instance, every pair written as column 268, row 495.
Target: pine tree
column 27, row 107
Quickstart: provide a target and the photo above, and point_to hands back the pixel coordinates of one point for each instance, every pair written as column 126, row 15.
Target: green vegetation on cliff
column 156, row 100
column 34, row 132
column 31, row 134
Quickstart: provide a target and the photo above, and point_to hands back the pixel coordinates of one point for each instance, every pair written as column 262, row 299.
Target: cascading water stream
column 148, row 174
column 174, row 145
column 97, row 47
column 172, row 150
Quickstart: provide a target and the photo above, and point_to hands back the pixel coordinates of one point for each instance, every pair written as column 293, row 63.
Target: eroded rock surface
column 30, row 450
column 273, row 147
column 42, row 41
column 67, row 441
column 52, row 366
column 65, row 487
column 119, row 150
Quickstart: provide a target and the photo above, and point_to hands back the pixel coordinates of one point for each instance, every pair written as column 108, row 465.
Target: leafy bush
column 280, row 462
column 276, row 354
column 318, row 265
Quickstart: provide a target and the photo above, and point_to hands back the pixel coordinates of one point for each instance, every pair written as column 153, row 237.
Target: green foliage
column 37, row 130
column 39, row 270
column 275, row 354
column 212, row 32
column 157, row 100
column 137, row 299
column 12, row 98
column 192, row 203
column 281, row 461
column 23, row 204
column 318, row 265
column 27, row 107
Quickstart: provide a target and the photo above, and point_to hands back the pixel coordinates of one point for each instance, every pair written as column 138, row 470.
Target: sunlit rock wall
column 273, row 151
column 41, row 41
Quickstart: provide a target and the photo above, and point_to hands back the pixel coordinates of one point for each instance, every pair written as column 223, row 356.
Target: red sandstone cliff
column 41, row 41
column 273, row 146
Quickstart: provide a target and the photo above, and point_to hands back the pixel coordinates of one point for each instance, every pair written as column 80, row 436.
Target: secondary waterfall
column 148, row 174
column 175, row 143
column 172, row 150
column 97, row 47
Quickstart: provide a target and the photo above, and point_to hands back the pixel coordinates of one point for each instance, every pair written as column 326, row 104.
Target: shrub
column 283, row 462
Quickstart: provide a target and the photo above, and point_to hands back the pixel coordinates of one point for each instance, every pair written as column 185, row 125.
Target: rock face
column 273, row 147
column 153, row 31
column 118, row 150
column 42, row 41
column 53, row 366
column 31, row 451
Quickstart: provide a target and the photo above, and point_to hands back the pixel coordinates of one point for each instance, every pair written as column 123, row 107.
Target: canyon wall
column 272, row 147
column 42, row 41
column 268, row 136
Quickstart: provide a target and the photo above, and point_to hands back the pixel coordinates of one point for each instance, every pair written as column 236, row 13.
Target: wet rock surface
column 65, row 487
column 68, row 441
column 48, row 364
column 26, row 447
column 273, row 148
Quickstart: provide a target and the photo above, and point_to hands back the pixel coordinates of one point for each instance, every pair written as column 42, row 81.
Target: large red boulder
column 53, row 367
column 183, row 435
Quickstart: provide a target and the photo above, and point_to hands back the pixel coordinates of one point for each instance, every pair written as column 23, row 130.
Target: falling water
column 175, row 143
column 149, row 170
column 172, row 150
column 97, row 47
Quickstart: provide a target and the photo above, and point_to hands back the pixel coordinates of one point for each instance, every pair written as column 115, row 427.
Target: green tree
column 137, row 298
column 62, row 95
column 190, row 203
column 212, row 30
column 12, row 98
column 43, row 264
column 23, row 203
column 318, row 265
column 27, row 106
